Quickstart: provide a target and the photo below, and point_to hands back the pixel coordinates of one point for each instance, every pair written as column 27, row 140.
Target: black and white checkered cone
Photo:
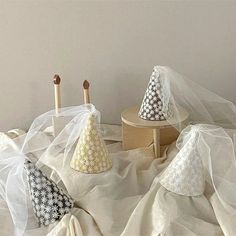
column 152, row 106
column 49, row 202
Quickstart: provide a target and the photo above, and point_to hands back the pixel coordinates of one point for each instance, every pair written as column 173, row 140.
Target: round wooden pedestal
column 130, row 118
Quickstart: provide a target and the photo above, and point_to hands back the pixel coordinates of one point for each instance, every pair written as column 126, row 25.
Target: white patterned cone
column 185, row 174
column 91, row 155
column 152, row 105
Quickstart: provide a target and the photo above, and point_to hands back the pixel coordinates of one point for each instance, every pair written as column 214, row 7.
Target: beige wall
column 113, row 44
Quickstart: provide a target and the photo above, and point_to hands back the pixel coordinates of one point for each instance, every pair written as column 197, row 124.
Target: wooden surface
column 156, row 141
column 86, row 96
column 130, row 117
column 135, row 138
column 137, row 132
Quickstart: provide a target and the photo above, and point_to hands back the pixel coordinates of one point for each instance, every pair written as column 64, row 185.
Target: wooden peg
column 57, row 93
column 86, row 92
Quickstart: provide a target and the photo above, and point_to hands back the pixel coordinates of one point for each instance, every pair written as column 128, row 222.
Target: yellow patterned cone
column 91, row 155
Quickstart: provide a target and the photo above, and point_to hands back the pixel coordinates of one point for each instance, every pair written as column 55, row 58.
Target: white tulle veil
column 36, row 146
column 211, row 121
column 209, row 135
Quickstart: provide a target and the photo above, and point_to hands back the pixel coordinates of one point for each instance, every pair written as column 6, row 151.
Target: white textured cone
column 152, row 106
column 185, row 174
column 91, row 155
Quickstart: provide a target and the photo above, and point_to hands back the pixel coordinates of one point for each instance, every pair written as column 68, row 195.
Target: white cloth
column 226, row 219
column 161, row 210
column 129, row 201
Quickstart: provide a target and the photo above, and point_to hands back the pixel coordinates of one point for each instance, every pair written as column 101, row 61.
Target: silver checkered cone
column 152, row 106
column 50, row 203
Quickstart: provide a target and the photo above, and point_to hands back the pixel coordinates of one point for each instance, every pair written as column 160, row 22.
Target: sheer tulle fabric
column 13, row 188
column 36, row 145
column 202, row 105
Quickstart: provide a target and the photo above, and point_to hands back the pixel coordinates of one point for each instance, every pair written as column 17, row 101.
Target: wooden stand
column 59, row 123
column 156, row 141
column 138, row 133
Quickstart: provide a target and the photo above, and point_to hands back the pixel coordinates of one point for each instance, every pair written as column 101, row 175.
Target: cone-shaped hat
column 91, row 155
column 185, row 174
column 152, row 106
column 49, row 201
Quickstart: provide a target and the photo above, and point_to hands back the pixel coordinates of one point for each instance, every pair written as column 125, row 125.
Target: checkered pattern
column 49, row 202
column 152, row 106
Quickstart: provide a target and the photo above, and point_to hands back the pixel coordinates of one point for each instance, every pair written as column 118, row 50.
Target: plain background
column 114, row 45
